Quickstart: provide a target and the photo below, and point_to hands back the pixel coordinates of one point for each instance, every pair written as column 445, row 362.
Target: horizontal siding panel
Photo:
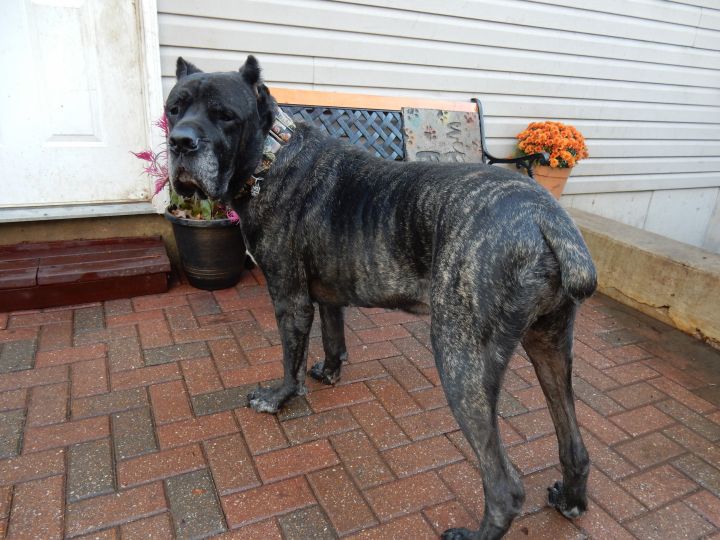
column 330, row 72
column 238, row 35
column 503, row 147
column 641, row 9
column 533, row 108
column 666, row 165
column 323, row 15
column 710, row 19
column 276, row 69
column 644, row 182
column 552, row 17
column 699, row 3
column 707, row 39
column 632, row 132
column 505, row 126
column 653, row 149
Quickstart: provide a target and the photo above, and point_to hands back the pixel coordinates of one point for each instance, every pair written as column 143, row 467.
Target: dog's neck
column 278, row 136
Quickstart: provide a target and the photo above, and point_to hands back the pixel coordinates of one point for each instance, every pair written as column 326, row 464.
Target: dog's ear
column 266, row 107
column 185, row 68
column 250, row 71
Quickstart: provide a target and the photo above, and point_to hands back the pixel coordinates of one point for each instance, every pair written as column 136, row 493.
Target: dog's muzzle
column 183, row 140
column 193, row 166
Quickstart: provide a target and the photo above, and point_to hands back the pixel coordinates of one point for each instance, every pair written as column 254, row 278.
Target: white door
column 71, row 103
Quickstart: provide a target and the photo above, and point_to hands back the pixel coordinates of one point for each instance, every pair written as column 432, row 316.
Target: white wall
column 639, row 78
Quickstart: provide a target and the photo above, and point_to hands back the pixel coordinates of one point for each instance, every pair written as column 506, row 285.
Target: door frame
column 151, row 75
column 152, row 83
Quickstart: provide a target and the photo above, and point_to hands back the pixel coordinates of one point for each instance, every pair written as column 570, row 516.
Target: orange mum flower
column 564, row 143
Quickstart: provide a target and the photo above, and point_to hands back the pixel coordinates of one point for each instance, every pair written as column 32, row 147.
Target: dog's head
column 217, row 125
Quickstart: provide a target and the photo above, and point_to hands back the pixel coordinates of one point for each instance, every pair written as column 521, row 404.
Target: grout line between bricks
column 470, row 511
column 249, row 453
column 318, row 503
column 108, row 374
column 702, row 515
column 618, row 484
column 216, row 491
column 352, row 478
column 621, row 523
column 113, row 453
column 21, row 441
column 662, row 507
column 11, row 503
column 660, row 430
column 169, row 508
column 66, row 487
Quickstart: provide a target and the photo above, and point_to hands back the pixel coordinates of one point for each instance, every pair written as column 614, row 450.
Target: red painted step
column 47, row 274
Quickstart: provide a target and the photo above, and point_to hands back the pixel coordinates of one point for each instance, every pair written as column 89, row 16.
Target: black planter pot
column 212, row 252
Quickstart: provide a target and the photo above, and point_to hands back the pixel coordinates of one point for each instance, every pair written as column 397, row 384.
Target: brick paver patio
column 127, row 420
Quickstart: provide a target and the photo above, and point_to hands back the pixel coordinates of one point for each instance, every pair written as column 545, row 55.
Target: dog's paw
column 319, row 373
column 458, row 534
column 558, row 500
column 267, row 400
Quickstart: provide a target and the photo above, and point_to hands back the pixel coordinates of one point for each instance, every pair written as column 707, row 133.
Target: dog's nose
column 183, row 140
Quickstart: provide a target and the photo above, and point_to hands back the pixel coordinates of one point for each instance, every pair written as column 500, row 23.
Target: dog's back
column 370, row 217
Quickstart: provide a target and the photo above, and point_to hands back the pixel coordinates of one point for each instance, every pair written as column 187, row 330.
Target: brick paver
column 127, row 419
column 194, row 505
column 90, row 470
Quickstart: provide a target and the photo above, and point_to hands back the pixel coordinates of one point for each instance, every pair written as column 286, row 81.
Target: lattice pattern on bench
column 378, row 131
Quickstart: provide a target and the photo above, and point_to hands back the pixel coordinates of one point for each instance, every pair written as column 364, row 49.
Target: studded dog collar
column 279, row 135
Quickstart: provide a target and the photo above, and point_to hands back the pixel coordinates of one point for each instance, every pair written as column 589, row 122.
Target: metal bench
column 376, row 122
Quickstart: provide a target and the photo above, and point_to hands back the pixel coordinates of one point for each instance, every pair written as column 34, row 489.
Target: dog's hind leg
column 333, row 338
column 294, row 313
column 472, row 380
column 549, row 346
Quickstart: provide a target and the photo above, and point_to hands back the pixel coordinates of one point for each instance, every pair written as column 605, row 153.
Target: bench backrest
column 373, row 122
column 377, row 124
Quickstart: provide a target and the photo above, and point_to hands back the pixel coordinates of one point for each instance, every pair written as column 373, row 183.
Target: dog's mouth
column 196, row 175
column 186, row 185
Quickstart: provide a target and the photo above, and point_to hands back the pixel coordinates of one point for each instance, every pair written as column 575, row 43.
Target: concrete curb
column 673, row 282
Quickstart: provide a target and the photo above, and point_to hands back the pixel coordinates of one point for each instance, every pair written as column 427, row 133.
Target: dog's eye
column 174, row 110
column 225, row 116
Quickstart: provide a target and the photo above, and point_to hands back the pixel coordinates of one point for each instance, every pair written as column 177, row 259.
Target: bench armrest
column 522, row 162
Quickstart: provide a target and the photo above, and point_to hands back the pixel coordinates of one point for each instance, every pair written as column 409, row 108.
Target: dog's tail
column 577, row 270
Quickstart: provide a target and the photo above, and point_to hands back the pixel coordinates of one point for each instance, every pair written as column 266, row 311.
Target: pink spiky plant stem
column 157, row 168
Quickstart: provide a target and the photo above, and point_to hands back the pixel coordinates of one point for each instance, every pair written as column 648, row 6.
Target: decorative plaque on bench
column 438, row 135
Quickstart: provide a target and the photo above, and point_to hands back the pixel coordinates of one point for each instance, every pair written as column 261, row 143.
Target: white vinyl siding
column 639, row 78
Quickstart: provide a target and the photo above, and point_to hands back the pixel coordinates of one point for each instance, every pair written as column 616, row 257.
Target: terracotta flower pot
column 553, row 180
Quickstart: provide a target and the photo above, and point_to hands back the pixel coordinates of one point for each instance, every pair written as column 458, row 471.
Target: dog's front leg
column 333, row 338
column 294, row 313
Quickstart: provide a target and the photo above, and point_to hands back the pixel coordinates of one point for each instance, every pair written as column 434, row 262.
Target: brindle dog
column 485, row 251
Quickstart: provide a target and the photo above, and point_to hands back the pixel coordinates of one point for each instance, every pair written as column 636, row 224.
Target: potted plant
column 566, row 147
column 210, row 243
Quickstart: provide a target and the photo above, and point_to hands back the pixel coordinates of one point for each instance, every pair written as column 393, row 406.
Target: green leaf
column 186, row 204
column 206, row 209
